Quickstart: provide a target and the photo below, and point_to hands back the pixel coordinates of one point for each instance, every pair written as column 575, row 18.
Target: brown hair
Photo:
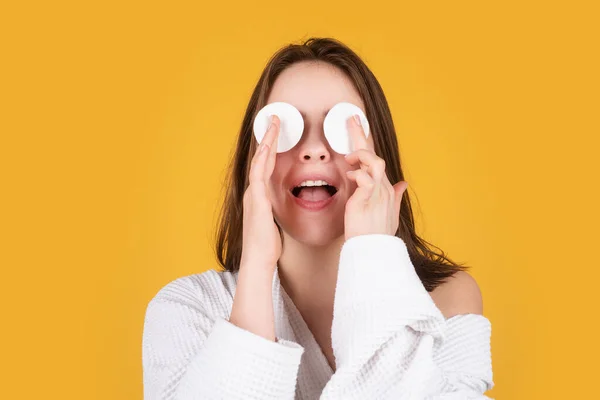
column 431, row 266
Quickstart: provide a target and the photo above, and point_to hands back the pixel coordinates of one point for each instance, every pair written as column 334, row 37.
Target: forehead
column 313, row 88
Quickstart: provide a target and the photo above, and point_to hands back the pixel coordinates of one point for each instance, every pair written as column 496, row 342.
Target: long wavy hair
column 433, row 267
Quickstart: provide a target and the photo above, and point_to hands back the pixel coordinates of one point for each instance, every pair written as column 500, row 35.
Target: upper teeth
column 313, row 183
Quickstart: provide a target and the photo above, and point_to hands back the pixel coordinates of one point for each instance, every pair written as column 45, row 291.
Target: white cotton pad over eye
column 291, row 124
column 336, row 130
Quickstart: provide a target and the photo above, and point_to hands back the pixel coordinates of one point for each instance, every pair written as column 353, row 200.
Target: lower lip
column 313, row 205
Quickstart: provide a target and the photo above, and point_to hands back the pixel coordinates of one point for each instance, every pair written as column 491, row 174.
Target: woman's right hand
column 261, row 246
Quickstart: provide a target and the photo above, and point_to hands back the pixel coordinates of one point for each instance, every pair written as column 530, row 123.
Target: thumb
column 399, row 189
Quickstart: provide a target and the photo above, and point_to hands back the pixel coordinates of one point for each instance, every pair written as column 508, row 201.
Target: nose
column 313, row 146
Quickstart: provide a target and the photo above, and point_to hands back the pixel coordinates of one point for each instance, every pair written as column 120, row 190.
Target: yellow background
column 118, row 118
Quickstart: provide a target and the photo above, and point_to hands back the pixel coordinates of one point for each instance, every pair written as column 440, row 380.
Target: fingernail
column 270, row 121
column 264, row 146
column 357, row 119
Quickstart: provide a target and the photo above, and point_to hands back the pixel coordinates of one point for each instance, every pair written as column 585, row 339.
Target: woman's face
column 313, row 216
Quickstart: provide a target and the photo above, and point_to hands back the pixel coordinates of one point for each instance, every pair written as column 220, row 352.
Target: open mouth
column 314, row 193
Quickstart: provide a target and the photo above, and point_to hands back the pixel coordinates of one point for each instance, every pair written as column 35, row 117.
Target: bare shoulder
column 460, row 294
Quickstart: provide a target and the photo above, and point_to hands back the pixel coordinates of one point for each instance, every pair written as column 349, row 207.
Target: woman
column 327, row 292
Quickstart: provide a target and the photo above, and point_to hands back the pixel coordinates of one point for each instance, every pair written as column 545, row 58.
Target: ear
column 399, row 189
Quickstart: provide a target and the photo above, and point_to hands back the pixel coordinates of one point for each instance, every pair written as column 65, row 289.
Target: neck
column 309, row 273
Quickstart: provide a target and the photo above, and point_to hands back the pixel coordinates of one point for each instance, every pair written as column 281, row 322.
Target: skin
column 366, row 203
column 313, row 240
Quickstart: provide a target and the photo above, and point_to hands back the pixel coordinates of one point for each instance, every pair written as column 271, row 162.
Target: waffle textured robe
column 389, row 339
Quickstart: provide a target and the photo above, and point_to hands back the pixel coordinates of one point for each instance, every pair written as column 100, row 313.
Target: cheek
column 280, row 171
column 344, row 166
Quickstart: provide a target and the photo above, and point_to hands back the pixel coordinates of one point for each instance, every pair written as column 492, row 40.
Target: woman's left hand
column 375, row 205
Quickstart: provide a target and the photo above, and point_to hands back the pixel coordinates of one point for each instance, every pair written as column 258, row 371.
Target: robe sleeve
column 190, row 353
column 390, row 340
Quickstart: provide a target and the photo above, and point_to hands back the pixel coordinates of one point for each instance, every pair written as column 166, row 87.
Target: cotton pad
column 336, row 130
column 290, row 128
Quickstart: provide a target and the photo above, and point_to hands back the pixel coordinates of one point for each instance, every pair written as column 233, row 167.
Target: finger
column 357, row 134
column 261, row 169
column 374, row 165
column 257, row 166
column 365, row 184
column 274, row 132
